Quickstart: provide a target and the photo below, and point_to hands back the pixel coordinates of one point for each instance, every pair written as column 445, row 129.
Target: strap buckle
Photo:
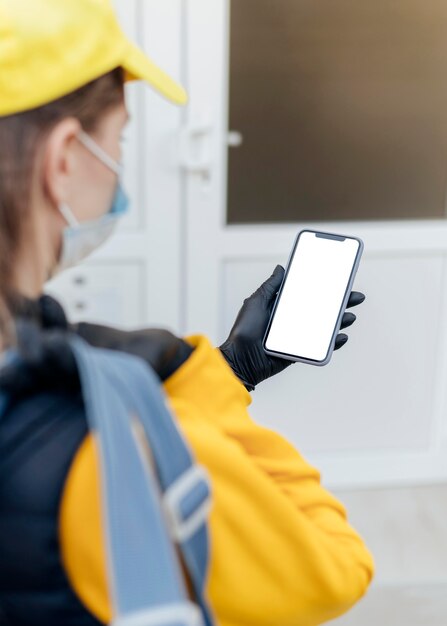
column 184, row 614
column 187, row 503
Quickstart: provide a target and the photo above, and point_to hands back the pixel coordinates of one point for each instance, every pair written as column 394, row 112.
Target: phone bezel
column 300, row 359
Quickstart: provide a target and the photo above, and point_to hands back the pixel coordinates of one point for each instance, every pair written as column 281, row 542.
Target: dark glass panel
column 342, row 105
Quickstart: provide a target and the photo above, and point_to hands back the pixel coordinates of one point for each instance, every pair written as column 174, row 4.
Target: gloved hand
column 243, row 349
column 162, row 350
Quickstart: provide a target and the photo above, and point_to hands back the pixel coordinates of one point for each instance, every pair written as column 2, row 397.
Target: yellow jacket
column 282, row 551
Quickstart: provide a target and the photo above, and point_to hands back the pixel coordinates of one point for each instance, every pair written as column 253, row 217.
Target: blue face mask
column 79, row 240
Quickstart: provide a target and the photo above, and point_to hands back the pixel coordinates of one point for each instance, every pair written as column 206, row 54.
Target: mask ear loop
column 99, row 153
column 68, row 215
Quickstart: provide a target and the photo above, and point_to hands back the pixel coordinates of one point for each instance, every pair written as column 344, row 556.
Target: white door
column 378, row 413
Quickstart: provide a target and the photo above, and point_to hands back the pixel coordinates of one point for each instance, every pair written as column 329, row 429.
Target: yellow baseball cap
column 49, row 48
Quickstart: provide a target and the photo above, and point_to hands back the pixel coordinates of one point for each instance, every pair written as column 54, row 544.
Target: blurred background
column 320, row 113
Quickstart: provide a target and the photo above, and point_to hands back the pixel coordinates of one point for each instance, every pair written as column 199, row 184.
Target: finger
column 355, row 299
column 270, row 287
column 340, row 341
column 348, row 320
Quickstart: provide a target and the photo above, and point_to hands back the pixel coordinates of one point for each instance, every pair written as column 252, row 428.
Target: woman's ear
column 59, row 160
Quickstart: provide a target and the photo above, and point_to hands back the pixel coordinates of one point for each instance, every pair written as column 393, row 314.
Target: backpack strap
column 123, row 399
column 185, row 485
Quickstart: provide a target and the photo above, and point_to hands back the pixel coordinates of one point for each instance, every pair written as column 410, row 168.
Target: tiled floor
column 406, row 529
column 421, row 605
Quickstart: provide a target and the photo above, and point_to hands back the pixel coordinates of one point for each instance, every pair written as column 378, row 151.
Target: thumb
column 270, row 287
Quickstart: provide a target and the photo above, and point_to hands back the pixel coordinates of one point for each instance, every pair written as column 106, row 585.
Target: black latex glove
column 243, row 349
column 162, row 350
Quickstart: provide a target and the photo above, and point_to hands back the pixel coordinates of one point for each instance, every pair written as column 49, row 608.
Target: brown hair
column 20, row 137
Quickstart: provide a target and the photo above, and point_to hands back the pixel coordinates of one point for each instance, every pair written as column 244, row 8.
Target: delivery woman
column 282, row 551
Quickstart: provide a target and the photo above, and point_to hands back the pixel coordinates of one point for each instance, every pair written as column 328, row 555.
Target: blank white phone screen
column 312, row 296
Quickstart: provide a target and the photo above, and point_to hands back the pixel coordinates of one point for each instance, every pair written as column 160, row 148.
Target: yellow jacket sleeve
column 282, row 551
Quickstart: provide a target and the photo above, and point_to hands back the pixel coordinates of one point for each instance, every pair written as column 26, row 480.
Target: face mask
column 79, row 240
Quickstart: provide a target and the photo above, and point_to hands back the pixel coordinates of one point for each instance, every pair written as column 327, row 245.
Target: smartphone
column 313, row 296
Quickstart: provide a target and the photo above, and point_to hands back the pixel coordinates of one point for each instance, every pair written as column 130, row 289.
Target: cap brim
column 139, row 67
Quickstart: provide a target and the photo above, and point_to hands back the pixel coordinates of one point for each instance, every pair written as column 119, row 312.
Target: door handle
column 234, row 139
column 195, row 148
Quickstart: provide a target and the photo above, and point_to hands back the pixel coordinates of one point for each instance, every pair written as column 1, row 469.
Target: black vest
column 40, row 433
